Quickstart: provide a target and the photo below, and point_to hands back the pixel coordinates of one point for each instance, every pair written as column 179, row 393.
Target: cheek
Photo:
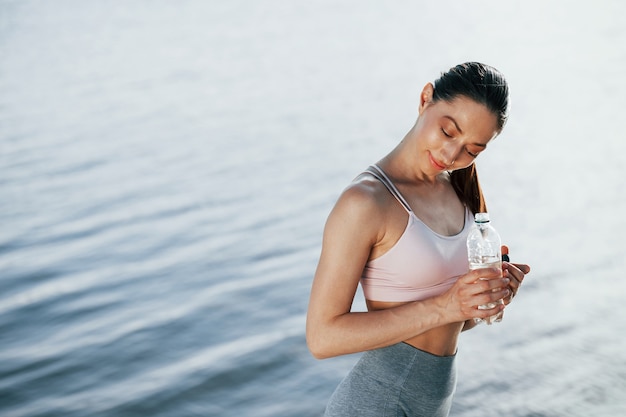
column 427, row 141
column 433, row 139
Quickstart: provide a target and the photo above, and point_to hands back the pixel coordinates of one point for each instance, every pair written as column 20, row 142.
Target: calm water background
column 166, row 169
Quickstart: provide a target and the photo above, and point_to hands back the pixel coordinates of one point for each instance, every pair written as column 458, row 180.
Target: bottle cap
column 505, row 254
column 481, row 218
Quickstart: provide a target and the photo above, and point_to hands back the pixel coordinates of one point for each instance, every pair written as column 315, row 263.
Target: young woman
column 400, row 229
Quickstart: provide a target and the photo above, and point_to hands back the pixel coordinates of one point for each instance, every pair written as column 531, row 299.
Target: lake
column 166, row 169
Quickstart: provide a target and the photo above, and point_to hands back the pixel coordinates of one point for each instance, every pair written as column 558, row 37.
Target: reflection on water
column 167, row 169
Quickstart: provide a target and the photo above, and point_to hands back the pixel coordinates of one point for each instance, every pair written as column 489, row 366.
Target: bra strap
column 380, row 176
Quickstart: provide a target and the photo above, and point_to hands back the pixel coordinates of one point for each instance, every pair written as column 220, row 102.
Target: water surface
column 166, row 170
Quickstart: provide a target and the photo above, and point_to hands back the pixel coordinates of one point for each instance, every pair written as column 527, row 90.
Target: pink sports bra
column 422, row 263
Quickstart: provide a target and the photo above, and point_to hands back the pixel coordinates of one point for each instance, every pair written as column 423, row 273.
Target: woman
column 400, row 229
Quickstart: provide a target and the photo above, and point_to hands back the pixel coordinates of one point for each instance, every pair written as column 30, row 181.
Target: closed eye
column 445, row 133
column 480, row 146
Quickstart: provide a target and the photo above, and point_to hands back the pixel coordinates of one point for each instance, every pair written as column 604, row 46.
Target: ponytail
column 467, row 188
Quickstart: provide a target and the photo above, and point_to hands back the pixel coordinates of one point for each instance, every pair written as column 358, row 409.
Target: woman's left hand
column 516, row 273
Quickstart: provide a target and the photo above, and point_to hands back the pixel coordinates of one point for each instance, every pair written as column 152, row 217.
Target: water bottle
column 483, row 251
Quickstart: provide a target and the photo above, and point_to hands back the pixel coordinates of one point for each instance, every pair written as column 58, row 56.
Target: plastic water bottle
column 483, row 251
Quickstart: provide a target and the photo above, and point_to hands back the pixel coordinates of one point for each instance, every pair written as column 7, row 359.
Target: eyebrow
column 455, row 123
column 480, row 145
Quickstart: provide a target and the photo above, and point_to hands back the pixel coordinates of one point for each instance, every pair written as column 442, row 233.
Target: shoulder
column 362, row 208
column 365, row 196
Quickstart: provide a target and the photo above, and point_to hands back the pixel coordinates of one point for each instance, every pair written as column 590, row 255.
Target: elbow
column 318, row 348
column 317, row 351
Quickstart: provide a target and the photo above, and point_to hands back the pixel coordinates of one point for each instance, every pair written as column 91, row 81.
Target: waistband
column 402, row 363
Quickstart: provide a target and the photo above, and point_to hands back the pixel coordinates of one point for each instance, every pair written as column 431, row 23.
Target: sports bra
column 421, row 264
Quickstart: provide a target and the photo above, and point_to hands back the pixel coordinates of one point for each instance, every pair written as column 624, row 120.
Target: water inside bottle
column 488, row 262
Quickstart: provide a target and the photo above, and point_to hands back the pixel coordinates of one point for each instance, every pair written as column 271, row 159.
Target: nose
column 449, row 153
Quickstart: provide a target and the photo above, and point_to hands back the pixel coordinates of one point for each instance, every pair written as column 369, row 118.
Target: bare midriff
column 440, row 341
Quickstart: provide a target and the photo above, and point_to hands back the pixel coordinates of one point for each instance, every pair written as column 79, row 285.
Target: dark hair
column 487, row 86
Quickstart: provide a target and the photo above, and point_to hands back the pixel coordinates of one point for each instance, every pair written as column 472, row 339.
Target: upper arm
column 352, row 229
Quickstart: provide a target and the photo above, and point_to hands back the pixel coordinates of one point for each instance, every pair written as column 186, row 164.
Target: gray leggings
column 395, row 381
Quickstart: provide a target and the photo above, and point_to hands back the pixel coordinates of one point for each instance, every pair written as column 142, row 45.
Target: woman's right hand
column 477, row 287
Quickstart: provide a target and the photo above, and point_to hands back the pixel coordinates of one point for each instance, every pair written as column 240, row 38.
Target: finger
column 488, row 286
column 483, row 273
column 489, row 291
column 496, row 284
column 513, row 286
column 515, row 275
column 522, row 267
column 506, row 300
column 504, row 249
column 480, row 313
column 516, row 270
column 497, row 295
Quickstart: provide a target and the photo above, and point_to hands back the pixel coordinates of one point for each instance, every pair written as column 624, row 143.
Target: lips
column 435, row 163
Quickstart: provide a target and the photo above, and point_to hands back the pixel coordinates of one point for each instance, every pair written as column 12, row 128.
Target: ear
column 426, row 98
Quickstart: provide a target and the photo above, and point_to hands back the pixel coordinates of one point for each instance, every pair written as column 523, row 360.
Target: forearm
column 361, row 331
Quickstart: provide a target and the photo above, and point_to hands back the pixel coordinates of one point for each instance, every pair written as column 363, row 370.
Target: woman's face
column 452, row 134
